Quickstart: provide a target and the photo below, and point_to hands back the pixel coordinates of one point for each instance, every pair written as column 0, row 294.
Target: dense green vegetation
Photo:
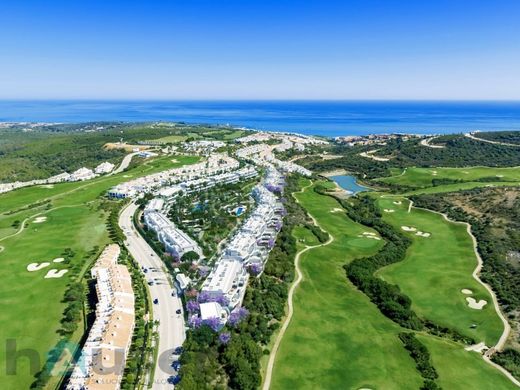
column 390, row 300
column 459, row 151
column 509, row 137
column 420, row 354
column 45, row 151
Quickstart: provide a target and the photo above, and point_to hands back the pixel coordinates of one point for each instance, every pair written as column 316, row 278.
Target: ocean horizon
column 325, row 118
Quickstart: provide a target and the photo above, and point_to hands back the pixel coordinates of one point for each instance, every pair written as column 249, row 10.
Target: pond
column 349, row 183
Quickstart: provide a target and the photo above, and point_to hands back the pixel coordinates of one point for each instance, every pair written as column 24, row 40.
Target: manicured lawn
column 460, row 187
column 436, row 269
column 304, row 236
column 337, row 338
column 423, row 177
column 75, row 221
column 461, row 370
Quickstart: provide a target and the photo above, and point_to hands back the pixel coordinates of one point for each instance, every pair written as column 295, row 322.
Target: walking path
column 469, row 135
column 279, row 337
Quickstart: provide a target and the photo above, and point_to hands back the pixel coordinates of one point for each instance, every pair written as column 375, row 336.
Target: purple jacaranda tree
column 255, row 269
column 224, row 337
column 270, row 243
column 237, row 316
column 195, row 322
column 203, row 297
column 192, row 293
column 192, row 306
column 202, row 272
column 213, row 322
column 278, row 226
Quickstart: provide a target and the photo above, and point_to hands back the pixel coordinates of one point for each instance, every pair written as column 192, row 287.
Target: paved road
column 469, row 135
column 124, row 164
column 171, row 325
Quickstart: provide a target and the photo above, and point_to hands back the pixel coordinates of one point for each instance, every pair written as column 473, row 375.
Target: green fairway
column 73, row 220
column 304, row 236
column 423, row 177
column 337, row 338
column 461, row 370
column 436, row 269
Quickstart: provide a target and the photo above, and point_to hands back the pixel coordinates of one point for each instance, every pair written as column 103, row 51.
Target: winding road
column 469, row 135
column 171, row 327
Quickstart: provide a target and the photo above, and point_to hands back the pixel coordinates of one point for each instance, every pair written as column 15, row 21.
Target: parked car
column 156, row 301
column 178, row 311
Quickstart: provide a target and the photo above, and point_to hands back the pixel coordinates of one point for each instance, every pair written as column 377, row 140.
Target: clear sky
column 260, row 49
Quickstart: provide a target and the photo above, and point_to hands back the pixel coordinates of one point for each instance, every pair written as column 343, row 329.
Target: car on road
column 150, row 282
column 176, row 365
column 156, row 301
column 178, row 350
column 174, row 379
column 178, row 311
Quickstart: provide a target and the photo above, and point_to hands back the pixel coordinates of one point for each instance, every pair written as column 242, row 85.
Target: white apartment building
column 174, row 240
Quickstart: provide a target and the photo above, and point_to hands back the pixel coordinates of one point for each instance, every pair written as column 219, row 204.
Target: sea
column 325, row 118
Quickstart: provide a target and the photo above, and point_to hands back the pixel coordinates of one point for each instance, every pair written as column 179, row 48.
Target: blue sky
column 240, row 49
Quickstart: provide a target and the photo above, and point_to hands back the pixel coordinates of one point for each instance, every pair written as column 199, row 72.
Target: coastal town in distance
column 195, row 251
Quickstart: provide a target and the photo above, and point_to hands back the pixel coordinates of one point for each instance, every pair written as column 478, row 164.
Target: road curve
column 124, row 164
column 279, row 337
column 469, row 135
column 171, row 327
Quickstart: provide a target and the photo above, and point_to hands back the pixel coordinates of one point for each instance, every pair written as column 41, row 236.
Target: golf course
column 60, row 231
column 338, row 337
column 434, row 278
column 424, row 177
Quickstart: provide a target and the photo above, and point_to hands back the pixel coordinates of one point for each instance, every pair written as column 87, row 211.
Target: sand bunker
column 423, row 234
column 466, row 291
column 336, row 210
column 434, row 173
column 369, row 235
column 389, row 210
column 54, row 273
column 398, row 202
column 37, row 266
column 58, row 260
column 480, row 347
column 472, row 303
column 408, row 228
column 39, row 219
column 500, row 175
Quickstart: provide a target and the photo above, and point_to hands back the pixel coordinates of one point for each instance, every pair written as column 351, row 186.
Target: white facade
column 174, row 240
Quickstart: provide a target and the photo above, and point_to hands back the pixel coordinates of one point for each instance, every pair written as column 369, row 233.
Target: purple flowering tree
column 270, row 243
column 213, row 323
column 192, row 306
column 255, row 269
column 224, row 337
column 195, row 322
column 237, row 316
